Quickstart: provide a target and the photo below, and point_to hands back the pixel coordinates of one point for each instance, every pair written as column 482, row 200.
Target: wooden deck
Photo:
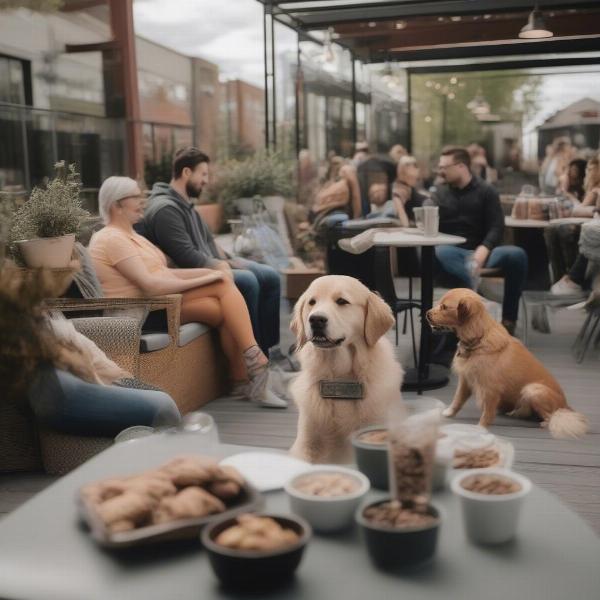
column 570, row 469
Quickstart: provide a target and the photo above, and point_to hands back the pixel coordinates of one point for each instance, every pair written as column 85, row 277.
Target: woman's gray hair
column 112, row 190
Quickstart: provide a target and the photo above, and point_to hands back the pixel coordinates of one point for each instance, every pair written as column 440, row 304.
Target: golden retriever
column 339, row 326
column 499, row 370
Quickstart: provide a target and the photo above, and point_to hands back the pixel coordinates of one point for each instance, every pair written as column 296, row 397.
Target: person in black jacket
column 470, row 207
column 171, row 223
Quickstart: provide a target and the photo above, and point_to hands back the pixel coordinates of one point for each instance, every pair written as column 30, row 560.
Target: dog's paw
column 448, row 412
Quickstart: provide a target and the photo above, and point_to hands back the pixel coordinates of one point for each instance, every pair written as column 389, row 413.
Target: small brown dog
column 499, row 370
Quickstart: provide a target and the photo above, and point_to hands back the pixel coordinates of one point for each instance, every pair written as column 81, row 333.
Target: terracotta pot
column 50, row 253
column 212, row 215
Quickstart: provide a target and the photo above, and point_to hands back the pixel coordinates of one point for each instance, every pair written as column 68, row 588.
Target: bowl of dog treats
column 474, row 447
column 327, row 496
column 402, row 530
column 256, row 551
column 171, row 502
column 491, row 501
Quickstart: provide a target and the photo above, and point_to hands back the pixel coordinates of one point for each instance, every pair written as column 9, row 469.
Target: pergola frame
column 417, row 31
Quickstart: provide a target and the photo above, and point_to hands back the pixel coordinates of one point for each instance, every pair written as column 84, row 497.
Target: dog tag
column 340, row 389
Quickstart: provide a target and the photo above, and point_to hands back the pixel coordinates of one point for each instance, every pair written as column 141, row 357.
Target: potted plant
column 43, row 229
column 267, row 175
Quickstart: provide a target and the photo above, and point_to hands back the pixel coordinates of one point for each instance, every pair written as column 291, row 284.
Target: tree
column 439, row 106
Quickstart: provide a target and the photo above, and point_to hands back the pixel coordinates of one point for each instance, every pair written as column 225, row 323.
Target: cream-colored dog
column 339, row 326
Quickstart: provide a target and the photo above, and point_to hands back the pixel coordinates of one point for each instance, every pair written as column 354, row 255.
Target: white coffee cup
column 431, row 220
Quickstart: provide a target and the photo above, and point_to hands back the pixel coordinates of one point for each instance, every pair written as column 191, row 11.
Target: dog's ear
column 467, row 308
column 378, row 319
column 297, row 322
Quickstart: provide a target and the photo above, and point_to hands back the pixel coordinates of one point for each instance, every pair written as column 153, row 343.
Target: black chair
column 384, row 284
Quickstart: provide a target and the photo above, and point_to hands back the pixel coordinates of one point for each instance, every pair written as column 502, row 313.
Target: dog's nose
column 317, row 321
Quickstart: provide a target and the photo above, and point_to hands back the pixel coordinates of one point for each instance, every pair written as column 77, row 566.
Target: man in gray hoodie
column 172, row 224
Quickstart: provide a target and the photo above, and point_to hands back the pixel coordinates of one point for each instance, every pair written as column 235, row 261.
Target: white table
column 536, row 224
column 425, row 376
column 46, row 555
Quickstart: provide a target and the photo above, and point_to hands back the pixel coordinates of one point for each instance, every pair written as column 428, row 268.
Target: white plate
column 267, row 470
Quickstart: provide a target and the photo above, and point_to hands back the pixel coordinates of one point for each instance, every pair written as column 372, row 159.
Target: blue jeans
column 261, row 287
column 68, row 404
column 511, row 259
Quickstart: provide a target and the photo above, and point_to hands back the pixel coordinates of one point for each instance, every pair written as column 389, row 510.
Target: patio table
column 46, row 554
column 426, row 376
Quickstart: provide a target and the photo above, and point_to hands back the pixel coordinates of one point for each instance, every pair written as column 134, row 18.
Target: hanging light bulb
column 536, row 27
column 328, row 53
column 478, row 106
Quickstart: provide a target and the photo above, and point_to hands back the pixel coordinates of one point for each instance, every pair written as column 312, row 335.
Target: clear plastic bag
column 411, row 445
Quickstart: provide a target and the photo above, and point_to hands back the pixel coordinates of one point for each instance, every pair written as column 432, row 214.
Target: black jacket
column 473, row 212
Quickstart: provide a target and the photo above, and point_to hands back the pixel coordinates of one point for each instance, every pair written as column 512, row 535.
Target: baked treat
column 256, row 533
column 191, row 470
column 227, row 484
column 490, row 484
column 128, row 506
column 327, row 485
column 190, row 502
column 477, row 458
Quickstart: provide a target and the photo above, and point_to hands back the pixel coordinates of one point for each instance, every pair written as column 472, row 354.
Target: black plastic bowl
column 396, row 548
column 372, row 459
column 253, row 570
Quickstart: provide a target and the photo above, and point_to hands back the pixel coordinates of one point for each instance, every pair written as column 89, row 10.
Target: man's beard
column 192, row 190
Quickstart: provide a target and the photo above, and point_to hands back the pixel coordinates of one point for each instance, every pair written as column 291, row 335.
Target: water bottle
column 473, row 271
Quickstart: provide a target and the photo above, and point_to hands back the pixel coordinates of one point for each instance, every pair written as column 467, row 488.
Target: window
column 13, row 80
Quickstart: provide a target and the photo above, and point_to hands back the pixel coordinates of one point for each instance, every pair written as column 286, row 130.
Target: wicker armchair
column 192, row 373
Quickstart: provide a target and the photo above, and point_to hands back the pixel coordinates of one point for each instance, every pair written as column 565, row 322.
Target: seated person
column 470, row 207
column 571, row 184
column 339, row 193
column 128, row 265
column 405, row 196
column 578, row 279
column 479, row 164
column 562, row 238
column 376, row 176
column 171, row 223
column 66, row 403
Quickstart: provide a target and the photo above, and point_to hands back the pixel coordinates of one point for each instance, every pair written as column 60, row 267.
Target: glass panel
column 510, row 119
column 12, row 150
column 33, row 140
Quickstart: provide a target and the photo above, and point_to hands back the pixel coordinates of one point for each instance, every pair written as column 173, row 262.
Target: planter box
column 212, row 215
column 297, row 280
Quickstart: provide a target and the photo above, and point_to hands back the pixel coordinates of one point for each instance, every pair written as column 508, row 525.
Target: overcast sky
column 226, row 32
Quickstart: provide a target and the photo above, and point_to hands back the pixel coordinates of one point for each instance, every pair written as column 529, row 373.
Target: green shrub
column 264, row 174
column 53, row 210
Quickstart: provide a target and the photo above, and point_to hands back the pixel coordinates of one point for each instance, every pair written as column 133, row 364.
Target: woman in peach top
column 128, row 265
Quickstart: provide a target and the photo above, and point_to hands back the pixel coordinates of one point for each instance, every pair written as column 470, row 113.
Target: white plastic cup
column 431, row 220
column 491, row 519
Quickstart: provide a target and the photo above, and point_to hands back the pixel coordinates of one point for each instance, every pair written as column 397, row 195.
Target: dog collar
column 341, row 389
column 465, row 349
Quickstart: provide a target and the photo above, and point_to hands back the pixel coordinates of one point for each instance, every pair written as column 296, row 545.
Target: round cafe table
column 45, row 553
column 425, row 376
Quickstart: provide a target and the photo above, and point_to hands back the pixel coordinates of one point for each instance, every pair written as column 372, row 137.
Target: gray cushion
column 190, row 331
column 151, row 342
